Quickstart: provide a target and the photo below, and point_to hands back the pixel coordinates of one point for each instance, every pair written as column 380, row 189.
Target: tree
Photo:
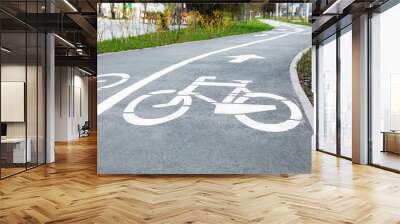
column 179, row 21
column 267, row 8
column 99, row 9
column 205, row 9
column 236, row 11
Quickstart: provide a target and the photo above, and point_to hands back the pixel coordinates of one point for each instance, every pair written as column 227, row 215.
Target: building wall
column 71, row 102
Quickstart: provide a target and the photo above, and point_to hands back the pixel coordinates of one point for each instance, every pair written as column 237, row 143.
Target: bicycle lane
column 201, row 141
column 138, row 64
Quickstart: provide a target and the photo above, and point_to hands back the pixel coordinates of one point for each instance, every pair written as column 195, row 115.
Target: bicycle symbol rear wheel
column 130, row 116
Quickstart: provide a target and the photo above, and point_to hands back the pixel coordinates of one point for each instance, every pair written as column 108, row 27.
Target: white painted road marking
column 305, row 33
column 116, row 98
column 235, row 108
column 242, row 58
column 124, row 77
column 231, row 105
column 295, row 115
column 262, row 35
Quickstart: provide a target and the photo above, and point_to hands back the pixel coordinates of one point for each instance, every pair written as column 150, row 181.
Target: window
column 22, row 88
column 346, row 92
column 327, row 96
column 385, row 89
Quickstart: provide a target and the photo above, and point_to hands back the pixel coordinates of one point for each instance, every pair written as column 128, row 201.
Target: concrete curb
column 305, row 103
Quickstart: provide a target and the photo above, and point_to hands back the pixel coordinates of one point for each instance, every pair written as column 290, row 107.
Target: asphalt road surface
column 221, row 106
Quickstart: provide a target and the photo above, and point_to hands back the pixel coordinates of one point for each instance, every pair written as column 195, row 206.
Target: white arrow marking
column 242, row 58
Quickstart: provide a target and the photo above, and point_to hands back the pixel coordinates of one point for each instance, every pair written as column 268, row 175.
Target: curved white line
column 130, row 116
column 116, row 98
column 124, row 77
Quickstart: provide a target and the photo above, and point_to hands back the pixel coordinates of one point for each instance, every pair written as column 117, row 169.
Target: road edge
column 301, row 95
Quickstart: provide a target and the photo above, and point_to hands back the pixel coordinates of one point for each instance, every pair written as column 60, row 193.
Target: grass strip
column 184, row 35
column 304, row 73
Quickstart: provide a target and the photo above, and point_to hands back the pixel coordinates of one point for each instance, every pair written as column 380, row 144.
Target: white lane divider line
column 119, row 96
column 262, row 35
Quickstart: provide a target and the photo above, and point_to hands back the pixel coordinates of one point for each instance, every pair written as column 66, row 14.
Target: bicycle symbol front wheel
column 292, row 122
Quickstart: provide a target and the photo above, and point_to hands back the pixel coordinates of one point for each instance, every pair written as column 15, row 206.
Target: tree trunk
column 124, row 10
column 112, row 11
column 145, row 13
column 179, row 22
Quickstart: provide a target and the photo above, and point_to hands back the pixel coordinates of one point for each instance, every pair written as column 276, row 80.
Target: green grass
column 295, row 20
column 304, row 73
column 184, row 35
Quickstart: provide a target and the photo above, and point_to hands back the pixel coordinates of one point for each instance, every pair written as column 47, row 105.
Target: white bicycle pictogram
column 232, row 104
